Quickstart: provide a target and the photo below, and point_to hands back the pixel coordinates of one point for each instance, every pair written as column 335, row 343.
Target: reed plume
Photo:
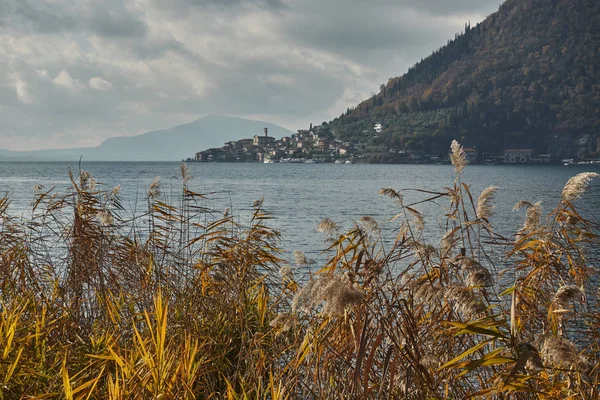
column 425, row 291
column 476, row 274
column 392, row 194
column 185, row 173
column 301, row 260
column 418, row 220
column 307, row 296
column 328, row 227
column 447, row 242
column 335, row 293
column 105, row 218
column 532, row 218
column 154, row 189
column 464, row 300
column 84, row 176
column 458, row 157
column 484, row 202
column 285, row 321
column 560, row 352
column 368, row 225
column 286, row 272
column 424, row 251
column 577, row 185
column 565, row 294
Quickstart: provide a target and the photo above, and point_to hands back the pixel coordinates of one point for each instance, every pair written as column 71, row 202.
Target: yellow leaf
column 465, row 354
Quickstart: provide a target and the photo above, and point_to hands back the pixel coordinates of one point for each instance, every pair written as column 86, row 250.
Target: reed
column 182, row 302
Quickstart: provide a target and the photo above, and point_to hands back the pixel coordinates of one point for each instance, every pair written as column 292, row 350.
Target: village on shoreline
column 313, row 146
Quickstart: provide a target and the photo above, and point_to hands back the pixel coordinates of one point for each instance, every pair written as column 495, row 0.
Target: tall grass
column 182, row 302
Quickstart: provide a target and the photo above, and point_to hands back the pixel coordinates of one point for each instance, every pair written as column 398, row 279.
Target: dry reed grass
column 184, row 303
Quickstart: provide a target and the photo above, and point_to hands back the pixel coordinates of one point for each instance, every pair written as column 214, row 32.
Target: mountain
column 162, row 145
column 527, row 76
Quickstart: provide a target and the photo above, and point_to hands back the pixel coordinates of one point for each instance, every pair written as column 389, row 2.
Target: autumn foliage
column 182, row 302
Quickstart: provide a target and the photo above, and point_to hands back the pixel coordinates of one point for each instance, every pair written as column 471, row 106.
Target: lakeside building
column 265, row 140
column 518, row 156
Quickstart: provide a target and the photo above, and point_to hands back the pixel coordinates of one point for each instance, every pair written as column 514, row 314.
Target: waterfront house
column 518, row 156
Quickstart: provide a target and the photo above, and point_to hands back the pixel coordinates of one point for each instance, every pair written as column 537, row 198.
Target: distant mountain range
column 527, row 76
column 172, row 144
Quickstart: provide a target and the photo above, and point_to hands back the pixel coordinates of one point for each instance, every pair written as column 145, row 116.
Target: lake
column 300, row 195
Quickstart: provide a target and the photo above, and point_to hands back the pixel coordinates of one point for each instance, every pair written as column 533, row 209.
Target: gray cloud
column 77, row 73
column 110, row 18
column 267, row 4
column 114, row 22
column 42, row 17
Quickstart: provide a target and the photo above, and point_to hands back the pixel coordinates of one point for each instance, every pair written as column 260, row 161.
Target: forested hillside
column 529, row 75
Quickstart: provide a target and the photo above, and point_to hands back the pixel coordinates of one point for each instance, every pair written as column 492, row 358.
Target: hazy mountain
column 162, row 145
column 529, row 75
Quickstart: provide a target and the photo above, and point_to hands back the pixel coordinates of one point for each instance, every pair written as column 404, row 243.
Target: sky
column 76, row 72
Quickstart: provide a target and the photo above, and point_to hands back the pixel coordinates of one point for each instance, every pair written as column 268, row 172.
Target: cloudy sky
column 75, row 72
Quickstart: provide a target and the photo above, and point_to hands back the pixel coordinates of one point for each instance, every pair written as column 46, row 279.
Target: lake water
column 300, row 195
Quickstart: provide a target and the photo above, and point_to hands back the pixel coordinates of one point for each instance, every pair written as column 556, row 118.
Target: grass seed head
column 458, row 157
column 476, row 274
column 185, row 173
column 84, row 176
column 424, row 251
column 337, row 295
column 307, row 296
column 577, row 185
column 464, row 300
column 532, row 218
column 447, row 242
column 424, row 291
column 286, row 272
column 301, row 260
column 328, row 227
column 368, row 225
column 418, row 220
column 154, row 189
column 454, row 196
column 105, row 218
column 391, row 193
column 430, row 361
column 92, row 184
column 484, row 203
column 560, row 352
column 565, row 294
column 284, row 320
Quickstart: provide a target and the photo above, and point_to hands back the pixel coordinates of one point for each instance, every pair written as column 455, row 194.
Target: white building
column 377, row 128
